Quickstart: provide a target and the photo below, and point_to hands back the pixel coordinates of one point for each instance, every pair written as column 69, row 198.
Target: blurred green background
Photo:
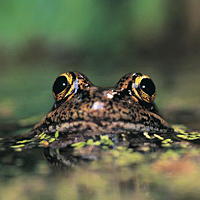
column 103, row 39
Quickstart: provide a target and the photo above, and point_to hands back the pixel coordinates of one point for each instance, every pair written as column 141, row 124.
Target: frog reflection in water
column 82, row 110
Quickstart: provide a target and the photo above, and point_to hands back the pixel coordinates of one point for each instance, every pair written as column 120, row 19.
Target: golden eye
column 144, row 88
column 63, row 86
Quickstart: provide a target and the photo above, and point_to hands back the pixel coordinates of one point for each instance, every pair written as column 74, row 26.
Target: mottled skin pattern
column 91, row 110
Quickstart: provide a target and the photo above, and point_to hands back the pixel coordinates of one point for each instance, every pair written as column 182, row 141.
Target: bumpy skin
column 91, row 110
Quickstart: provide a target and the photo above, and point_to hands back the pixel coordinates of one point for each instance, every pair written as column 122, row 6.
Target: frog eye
column 60, row 84
column 143, row 88
column 63, row 86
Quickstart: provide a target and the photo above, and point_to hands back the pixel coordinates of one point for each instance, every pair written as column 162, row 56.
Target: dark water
column 109, row 173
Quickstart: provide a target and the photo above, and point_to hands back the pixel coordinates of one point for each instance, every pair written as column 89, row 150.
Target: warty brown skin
column 91, row 110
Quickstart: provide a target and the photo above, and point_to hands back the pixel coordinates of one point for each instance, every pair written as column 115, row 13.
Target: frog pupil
column 60, row 84
column 147, row 86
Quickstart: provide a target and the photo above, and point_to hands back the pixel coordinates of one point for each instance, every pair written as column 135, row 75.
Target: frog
column 83, row 110
column 82, row 107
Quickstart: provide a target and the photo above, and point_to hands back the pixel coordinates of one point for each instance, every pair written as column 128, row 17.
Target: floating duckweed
column 57, row 151
column 189, row 136
column 181, row 131
column 105, row 142
column 18, row 149
column 159, row 137
column 97, row 143
column 146, row 134
column 90, row 142
column 78, row 145
column 17, row 146
column 23, row 141
column 167, row 142
column 192, row 138
column 43, row 136
column 104, row 137
column 56, row 134
column 182, row 136
column 52, row 139
column 166, row 145
column 179, row 126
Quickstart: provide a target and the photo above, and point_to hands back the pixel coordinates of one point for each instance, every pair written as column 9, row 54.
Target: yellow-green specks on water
column 56, row 134
column 104, row 141
column 167, row 142
column 158, row 136
column 78, row 145
column 184, row 134
column 146, row 134
column 24, row 141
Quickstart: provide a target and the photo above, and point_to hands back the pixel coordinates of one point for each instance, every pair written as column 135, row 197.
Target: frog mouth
column 106, row 127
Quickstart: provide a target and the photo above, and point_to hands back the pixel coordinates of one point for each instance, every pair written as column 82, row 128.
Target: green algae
column 105, row 142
